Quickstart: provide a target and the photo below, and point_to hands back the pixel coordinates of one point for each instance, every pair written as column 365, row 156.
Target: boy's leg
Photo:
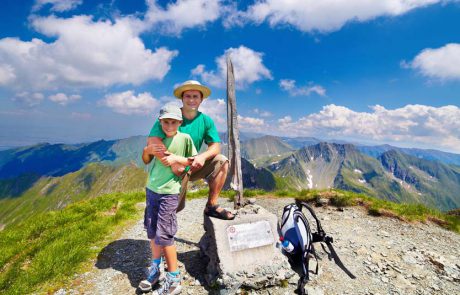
column 150, row 221
column 171, row 285
column 156, row 250
column 171, row 257
column 166, row 230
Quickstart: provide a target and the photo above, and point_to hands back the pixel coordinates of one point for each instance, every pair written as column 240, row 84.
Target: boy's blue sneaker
column 171, row 286
column 152, row 278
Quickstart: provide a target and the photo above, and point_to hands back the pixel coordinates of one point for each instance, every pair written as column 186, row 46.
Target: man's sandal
column 211, row 211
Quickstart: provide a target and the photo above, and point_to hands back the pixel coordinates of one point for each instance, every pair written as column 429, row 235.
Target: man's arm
column 147, row 155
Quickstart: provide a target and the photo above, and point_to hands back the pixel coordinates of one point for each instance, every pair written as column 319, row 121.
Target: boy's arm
column 179, row 160
column 159, row 151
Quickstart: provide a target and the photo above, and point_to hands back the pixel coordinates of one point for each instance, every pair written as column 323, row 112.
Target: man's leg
column 215, row 187
column 215, row 172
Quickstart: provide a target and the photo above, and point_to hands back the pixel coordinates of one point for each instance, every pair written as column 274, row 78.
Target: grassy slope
column 375, row 206
column 51, row 193
column 42, row 253
column 45, row 251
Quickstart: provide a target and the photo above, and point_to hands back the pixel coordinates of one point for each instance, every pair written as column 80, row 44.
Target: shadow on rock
column 127, row 256
column 195, row 264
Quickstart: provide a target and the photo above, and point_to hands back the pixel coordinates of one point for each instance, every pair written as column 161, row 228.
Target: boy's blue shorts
column 160, row 217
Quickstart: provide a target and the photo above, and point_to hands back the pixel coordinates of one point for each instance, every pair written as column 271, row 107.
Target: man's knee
column 211, row 168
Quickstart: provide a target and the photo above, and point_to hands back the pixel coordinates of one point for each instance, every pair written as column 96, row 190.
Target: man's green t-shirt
column 161, row 178
column 201, row 128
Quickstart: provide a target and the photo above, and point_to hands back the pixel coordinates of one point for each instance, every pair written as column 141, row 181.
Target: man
column 210, row 164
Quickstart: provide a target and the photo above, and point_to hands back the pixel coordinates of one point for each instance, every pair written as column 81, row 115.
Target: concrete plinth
column 243, row 251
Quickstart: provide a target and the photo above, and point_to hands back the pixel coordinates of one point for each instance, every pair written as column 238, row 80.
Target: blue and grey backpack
column 298, row 239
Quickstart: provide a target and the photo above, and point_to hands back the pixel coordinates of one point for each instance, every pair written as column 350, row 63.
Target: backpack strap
column 319, row 228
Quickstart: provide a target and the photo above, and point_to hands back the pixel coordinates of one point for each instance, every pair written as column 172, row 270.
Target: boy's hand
column 158, row 150
column 169, row 159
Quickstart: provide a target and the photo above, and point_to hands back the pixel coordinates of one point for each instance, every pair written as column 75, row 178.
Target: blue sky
column 383, row 72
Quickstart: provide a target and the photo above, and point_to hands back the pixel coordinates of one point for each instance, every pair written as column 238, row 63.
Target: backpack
column 296, row 232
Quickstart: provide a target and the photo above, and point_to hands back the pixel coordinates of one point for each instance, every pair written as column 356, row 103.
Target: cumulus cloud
column 6, row 74
column 248, row 68
column 57, row 5
column 441, row 63
column 63, row 99
column 289, row 86
column 128, row 103
column 320, row 16
column 414, row 124
column 250, row 121
column 28, row 99
column 182, row 14
column 216, row 109
column 262, row 113
column 285, row 121
column 86, row 53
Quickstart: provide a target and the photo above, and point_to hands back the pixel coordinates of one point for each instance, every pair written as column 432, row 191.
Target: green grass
column 378, row 207
column 375, row 206
column 44, row 251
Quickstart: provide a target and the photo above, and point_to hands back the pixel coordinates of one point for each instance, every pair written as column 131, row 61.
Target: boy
column 162, row 195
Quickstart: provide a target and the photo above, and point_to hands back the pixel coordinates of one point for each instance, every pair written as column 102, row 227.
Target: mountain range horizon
column 243, row 136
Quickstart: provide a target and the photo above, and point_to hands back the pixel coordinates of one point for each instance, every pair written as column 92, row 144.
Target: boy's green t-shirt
column 161, row 178
column 201, row 128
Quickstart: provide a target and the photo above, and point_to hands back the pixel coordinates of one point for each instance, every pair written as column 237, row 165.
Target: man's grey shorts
column 160, row 217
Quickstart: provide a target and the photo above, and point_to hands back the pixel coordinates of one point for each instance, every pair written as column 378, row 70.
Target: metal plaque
column 249, row 235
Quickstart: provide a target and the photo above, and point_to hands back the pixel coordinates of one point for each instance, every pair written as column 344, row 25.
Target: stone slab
column 244, row 251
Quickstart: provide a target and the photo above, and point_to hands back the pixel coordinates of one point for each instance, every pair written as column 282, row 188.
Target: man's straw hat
column 191, row 85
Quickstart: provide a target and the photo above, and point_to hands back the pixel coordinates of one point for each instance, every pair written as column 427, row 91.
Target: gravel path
column 387, row 256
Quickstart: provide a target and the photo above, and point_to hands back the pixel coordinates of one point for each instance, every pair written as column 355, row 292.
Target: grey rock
column 322, row 202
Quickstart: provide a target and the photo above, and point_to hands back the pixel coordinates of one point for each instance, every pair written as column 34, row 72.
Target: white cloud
column 63, row 99
column 29, row 99
column 412, row 124
column 57, row 5
column 250, row 121
column 441, row 63
column 86, row 53
column 289, row 86
column 248, row 68
column 182, row 14
column 321, row 16
column 216, row 109
column 128, row 103
column 285, row 120
column 262, row 113
column 6, row 74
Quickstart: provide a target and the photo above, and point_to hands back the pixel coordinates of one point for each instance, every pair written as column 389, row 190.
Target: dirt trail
column 387, row 256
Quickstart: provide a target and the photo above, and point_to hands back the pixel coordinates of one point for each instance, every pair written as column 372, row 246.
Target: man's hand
column 198, row 162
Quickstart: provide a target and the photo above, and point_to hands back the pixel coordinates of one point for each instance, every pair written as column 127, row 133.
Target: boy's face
column 170, row 126
column 191, row 100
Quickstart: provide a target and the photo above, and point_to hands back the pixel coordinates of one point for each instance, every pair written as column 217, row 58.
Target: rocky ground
column 386, row 255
